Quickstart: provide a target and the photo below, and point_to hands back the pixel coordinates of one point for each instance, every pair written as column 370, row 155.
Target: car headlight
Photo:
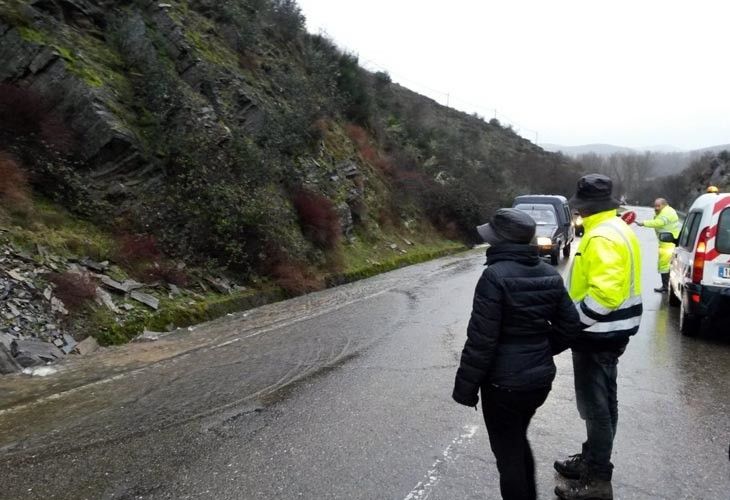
column 544, row 242
column 579, row 221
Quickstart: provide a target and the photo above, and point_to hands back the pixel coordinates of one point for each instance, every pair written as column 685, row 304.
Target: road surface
column 346, row 394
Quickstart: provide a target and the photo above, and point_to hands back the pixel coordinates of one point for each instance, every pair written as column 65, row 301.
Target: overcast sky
column 631, row 73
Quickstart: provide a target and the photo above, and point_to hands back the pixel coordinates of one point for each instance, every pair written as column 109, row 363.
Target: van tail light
column 698, row 266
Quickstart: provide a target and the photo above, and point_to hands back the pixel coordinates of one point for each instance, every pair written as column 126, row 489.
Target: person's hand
column 466, row 400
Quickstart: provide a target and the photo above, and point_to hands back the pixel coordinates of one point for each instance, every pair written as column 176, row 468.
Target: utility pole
column 448, row 97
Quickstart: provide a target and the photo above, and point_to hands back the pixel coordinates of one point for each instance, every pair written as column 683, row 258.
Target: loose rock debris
column 86, row 346
column 31, row 316
column 33, row 319
column 146, row 299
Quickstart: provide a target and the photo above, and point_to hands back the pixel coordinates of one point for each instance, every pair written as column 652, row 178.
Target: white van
column 699, row 277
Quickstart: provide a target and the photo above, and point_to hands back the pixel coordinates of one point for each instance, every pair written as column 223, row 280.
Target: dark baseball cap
column 508, row 225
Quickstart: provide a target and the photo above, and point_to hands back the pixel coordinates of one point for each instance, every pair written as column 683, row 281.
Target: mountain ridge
column 608, row 149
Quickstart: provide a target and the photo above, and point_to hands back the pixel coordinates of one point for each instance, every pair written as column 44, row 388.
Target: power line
column 449, row 99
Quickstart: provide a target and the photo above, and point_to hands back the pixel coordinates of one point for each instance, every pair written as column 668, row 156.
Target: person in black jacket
column 522, row 316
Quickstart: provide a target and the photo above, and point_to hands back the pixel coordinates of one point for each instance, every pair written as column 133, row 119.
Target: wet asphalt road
column 346, row 394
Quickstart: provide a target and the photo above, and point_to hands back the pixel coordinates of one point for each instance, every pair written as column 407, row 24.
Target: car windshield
column 544, row 215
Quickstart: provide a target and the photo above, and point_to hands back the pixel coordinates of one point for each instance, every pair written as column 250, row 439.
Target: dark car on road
column 554, row 221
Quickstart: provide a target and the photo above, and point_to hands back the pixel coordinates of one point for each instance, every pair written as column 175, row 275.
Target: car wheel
column 673, row 299
column 689, row 325
column 566, row 251
column 555, row 256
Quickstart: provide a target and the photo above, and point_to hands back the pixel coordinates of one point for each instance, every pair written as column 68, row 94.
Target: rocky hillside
column 220, row 138
column 711, row 169
column 205, row 122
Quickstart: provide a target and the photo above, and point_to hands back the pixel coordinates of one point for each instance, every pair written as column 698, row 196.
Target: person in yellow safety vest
column 665, row 221
column 605, row 285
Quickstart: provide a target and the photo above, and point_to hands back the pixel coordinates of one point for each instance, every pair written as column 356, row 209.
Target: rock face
column 107, row 143
column 199, row 121
column 128, row 82
column 709, row 170
column 94, row 66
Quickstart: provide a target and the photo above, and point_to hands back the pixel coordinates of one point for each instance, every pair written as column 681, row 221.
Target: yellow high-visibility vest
column 605, row 280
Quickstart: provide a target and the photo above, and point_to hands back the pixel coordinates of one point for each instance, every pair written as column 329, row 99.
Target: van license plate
column 724, row 271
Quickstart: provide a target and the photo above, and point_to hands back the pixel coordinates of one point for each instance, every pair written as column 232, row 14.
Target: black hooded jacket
column 522, row 315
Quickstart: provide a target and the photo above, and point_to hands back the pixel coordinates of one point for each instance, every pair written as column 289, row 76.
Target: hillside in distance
column 237, row 139
column 599, row 149
column 712, row 149
column 636, row 171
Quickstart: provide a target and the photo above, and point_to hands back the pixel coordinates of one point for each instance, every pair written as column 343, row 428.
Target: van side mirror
column 668, row 238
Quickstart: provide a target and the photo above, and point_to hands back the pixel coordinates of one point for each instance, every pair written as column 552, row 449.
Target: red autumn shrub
column 25, row 113
column 368, row 151
column 248, row 60
column 357, row 134
column 22, row 110
column 448, row 228
column 167, row 273
column 14, row 190
column 73, row 289
column 388, row 216
column 411, row 181
column 318, row 218
column 295, row 278
column 134, row 249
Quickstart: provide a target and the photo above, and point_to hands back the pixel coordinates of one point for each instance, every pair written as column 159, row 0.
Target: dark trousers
column 595, row 393
column 507, row 415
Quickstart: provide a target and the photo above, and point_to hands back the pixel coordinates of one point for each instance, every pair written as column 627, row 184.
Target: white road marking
column 226, row 343
column 425, row 487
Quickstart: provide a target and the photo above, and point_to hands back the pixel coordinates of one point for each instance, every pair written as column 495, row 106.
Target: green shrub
column 288, row 18
column 352, row 84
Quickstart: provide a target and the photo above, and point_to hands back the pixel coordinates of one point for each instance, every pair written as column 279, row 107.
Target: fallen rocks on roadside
column 34, row 352
column 33, row 317
column 98, row 267
column 103, row 298
column 86, row 346
column 126, row 286
column 30, row 313
column 8, row 364
column 58, row 306
column 219, row 285
column 69, row 344
column 148, row 336
column 146, row 299
column 26, row 307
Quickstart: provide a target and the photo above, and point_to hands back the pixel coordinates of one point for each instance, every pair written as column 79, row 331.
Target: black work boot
column 570, row 468
column 585, row 488
column 665, row 284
